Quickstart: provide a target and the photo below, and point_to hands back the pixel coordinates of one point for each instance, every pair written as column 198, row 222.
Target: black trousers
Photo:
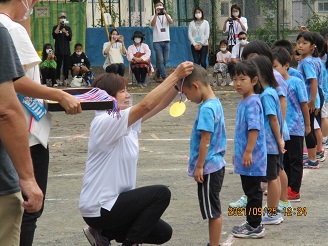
column 293, row 162
column 62, row 60
column 200, row 55
column 140, row 74
column 310, row 139
column 48, row 73
column 40, row 158
column 116, row 68
column 136, row 216
column 252, row 189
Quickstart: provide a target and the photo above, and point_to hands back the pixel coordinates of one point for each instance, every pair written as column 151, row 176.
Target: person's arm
column 169, row 20
column 152, row 99
column 55, row 30
column 146, row 56
column 207, row 33
column 225, row 24
column 243, row 25
column 274, row 124
column 121, row 39
column 14, row 137
column 130, row 53
column 248, row 154
column 162, row 105
column 68, row 33
column 306, row 116
column 283, row 105
column 313, row 93
column 153, row 21
column 203, row 150
column 234, row 60
column 28, row 87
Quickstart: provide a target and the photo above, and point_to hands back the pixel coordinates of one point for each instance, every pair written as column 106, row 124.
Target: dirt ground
column 164, row 150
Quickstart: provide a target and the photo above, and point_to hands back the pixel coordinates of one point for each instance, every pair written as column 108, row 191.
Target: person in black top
column 62, row 35
column 79, row 62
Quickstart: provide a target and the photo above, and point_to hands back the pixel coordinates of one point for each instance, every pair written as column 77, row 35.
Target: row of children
column 293, row 109
column 79, row 64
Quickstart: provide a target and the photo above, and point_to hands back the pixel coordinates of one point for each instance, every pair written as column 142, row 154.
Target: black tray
column 55, row 106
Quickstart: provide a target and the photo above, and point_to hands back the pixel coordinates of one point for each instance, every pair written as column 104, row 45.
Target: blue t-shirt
column 324, row 81
column 282, row 91
column 249, row 116
column 318, row 70
column 295, row 73
column 294, row 116
column 271, row 106
column 209, row 118
column 308, row 71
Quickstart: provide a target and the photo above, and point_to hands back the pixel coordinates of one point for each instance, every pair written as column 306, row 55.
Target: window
column 323, row 6
column 225, row 11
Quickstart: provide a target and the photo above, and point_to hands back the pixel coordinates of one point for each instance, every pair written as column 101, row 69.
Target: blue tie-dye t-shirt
column 318, row 70
column 282, row 91
column 271, row 106
column 209, row 118
column 297, row 94
column 249, row 116
column 308, row 71
column 325, row 81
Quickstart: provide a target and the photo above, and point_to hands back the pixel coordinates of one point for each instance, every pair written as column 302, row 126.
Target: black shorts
column 208, row 194
column 273, row 167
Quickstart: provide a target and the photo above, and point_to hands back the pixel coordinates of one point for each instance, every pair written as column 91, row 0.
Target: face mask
column 198, row 15
column 223, row 49
column 243, row 42
column 137, row 40
column 78, row 53
column 28, row 11
column 235, row 14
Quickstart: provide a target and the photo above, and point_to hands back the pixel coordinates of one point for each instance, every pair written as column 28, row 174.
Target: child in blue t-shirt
column 273, row 134
column 298, row 121
column 305, row 46
column 250, row 153
column 207, row 148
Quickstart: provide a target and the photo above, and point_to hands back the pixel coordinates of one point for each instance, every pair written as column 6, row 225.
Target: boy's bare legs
column 273, row 194
column 214, row 228
column 283, row 185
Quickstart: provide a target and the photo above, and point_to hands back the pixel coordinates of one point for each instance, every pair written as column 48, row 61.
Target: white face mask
column 78, row 53
column 137, row 40
column 223, row 49
column 28, row 12
column 235, row 14
column 243, row 42
column 198, row 15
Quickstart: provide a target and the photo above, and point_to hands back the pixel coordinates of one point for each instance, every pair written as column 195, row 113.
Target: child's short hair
column 110, row 82
column 265, row 70
column 319, row 40
column 223, row 41
column 281, row 55
column 284, row 44
column 241, row 33
column 78, row 45
column 259, row 47
column 198, row 74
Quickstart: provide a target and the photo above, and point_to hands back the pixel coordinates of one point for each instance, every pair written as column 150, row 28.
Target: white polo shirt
column 111, row 167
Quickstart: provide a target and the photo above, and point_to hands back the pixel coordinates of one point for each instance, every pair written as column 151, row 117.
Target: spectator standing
column 79, row 62
column 114, row 51
column 48, row 66
column 62, row 35
column 161, row 39
column 198, row 33
column 234, row 24
column 15, row 159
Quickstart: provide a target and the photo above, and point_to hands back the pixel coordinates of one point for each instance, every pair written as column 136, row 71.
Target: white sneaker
column 231, row 83
column 66, row 83
column 223, row 83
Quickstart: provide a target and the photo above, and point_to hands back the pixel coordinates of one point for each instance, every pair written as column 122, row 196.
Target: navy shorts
column 208, row 194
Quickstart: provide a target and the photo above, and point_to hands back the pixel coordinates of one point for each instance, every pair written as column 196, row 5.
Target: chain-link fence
column 267, row 20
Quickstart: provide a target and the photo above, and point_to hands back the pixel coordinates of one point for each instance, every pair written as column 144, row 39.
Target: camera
column 64, row 22
column 160, row 10
column 50, row 52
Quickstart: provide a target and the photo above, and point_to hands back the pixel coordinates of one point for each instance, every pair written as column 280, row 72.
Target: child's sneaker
column 272, row 220
column 283, row 206
column 311, row 164
column 213, row 83
column 95, row 238
column 325, row 144
column 293, row 196
column 241, row 203
column 246, row 231
column 321, row 156
column 224, row 83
